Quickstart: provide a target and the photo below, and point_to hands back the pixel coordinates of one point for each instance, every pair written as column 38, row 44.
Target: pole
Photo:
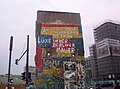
column 9, row 67
column 27, row 62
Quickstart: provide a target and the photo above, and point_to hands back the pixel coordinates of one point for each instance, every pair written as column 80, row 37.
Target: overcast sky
column 17, row 19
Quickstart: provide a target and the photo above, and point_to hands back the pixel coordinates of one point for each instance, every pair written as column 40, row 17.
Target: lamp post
column 27, row 62
column 9, row 67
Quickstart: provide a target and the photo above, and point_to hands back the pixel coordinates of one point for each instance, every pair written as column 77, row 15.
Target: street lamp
column 27, row 61
column 9, row 67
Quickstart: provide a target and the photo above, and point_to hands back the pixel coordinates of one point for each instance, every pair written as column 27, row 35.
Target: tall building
column 107, row 40
column 109, row 30
column 88, row 71
column 93, row 61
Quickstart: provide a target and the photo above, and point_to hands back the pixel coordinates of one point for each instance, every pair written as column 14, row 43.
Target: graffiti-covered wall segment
column 58, row 38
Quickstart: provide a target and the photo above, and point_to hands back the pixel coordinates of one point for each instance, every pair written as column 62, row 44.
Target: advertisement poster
column 115, row 50
column 103, row 51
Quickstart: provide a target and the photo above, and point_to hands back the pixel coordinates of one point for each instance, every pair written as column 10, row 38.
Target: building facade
column 93, row 60
column 88, row 71
column 107, row 40
column 109, row 30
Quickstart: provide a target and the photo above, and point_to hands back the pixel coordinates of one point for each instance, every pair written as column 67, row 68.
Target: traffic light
column 16, row 61
column 23, row 76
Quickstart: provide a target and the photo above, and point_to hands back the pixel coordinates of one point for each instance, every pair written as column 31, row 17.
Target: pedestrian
column 117, row 86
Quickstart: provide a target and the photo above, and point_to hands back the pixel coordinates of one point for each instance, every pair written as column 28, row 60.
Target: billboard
column 103, row 52
column 108, row 47
column 115, row 50
column 108, row 51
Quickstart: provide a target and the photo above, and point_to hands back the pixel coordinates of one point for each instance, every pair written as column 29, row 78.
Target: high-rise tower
column 107, row 40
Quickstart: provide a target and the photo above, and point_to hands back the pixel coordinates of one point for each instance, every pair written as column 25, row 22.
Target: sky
column 17, row 19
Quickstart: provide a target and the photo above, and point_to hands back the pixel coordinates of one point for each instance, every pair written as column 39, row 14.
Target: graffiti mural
column 50, row 82
column 57, row 43
column 67, row 39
